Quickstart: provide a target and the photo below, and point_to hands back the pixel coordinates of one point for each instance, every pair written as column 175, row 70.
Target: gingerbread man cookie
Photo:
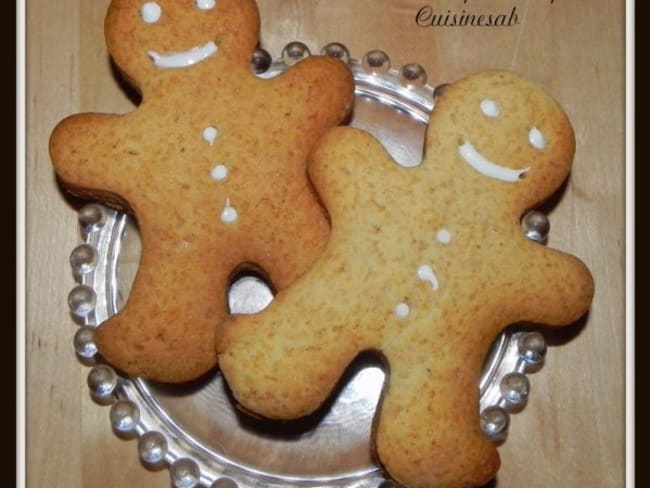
column 213, row 165
column 425, row 266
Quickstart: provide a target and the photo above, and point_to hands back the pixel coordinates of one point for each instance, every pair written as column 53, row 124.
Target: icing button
column 219, row 173
column 444, row 236
column 210, row 134
column 402, row 310
column 229, row 214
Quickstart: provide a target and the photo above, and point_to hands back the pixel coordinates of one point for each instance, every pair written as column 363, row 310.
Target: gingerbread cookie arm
column 562, row 296
column 339, row 168
column 82, row 149
column 320, row 90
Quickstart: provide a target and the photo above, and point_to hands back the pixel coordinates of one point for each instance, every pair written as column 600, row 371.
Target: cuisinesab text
column 428, row 17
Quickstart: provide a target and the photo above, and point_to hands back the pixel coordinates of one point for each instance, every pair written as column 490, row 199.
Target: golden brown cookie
column 212, row 164
column 425, row 266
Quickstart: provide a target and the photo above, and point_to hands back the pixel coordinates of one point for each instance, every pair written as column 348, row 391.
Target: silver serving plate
column 196, row 430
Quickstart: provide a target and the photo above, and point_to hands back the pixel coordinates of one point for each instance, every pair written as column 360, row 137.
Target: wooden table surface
column 572, row 432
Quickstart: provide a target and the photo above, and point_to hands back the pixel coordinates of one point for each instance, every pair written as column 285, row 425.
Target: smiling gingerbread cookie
column 425, row 266
column 212, row 165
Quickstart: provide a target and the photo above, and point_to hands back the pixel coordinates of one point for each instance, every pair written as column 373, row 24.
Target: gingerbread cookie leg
column 300, row 361
column 152, row 339
column 421, row 434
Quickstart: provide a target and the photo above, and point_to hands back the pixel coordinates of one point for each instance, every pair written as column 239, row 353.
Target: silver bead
column 413, row 75
column 387, row 484
column 440, row 90
column 376, row 62
column 532, row 349
column 91, row 217
column 82, row 300
column 124, row 416
column 185, row 473
column 536, row 226
column 515, row 388
column 261, row 61
column 293, row 52
column 337, row 50
column 152, row 448
column 224, row 483
column 83, row 259
column 84, row 342
column 494, row 423
column 102, row 381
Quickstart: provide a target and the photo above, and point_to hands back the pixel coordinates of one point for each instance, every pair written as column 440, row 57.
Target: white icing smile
column 488, row 168
column 184, row 59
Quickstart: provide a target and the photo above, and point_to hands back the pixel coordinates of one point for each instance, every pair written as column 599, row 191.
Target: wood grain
column 572, row 431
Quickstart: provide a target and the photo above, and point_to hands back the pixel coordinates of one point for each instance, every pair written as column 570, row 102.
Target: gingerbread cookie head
column 503, row 129
column 149, row 40
column 425, row 266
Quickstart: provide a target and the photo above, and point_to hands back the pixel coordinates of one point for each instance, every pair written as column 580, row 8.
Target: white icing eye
column 536, row 138
column 206, row 4
column 490, row 108
column 151, row 12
